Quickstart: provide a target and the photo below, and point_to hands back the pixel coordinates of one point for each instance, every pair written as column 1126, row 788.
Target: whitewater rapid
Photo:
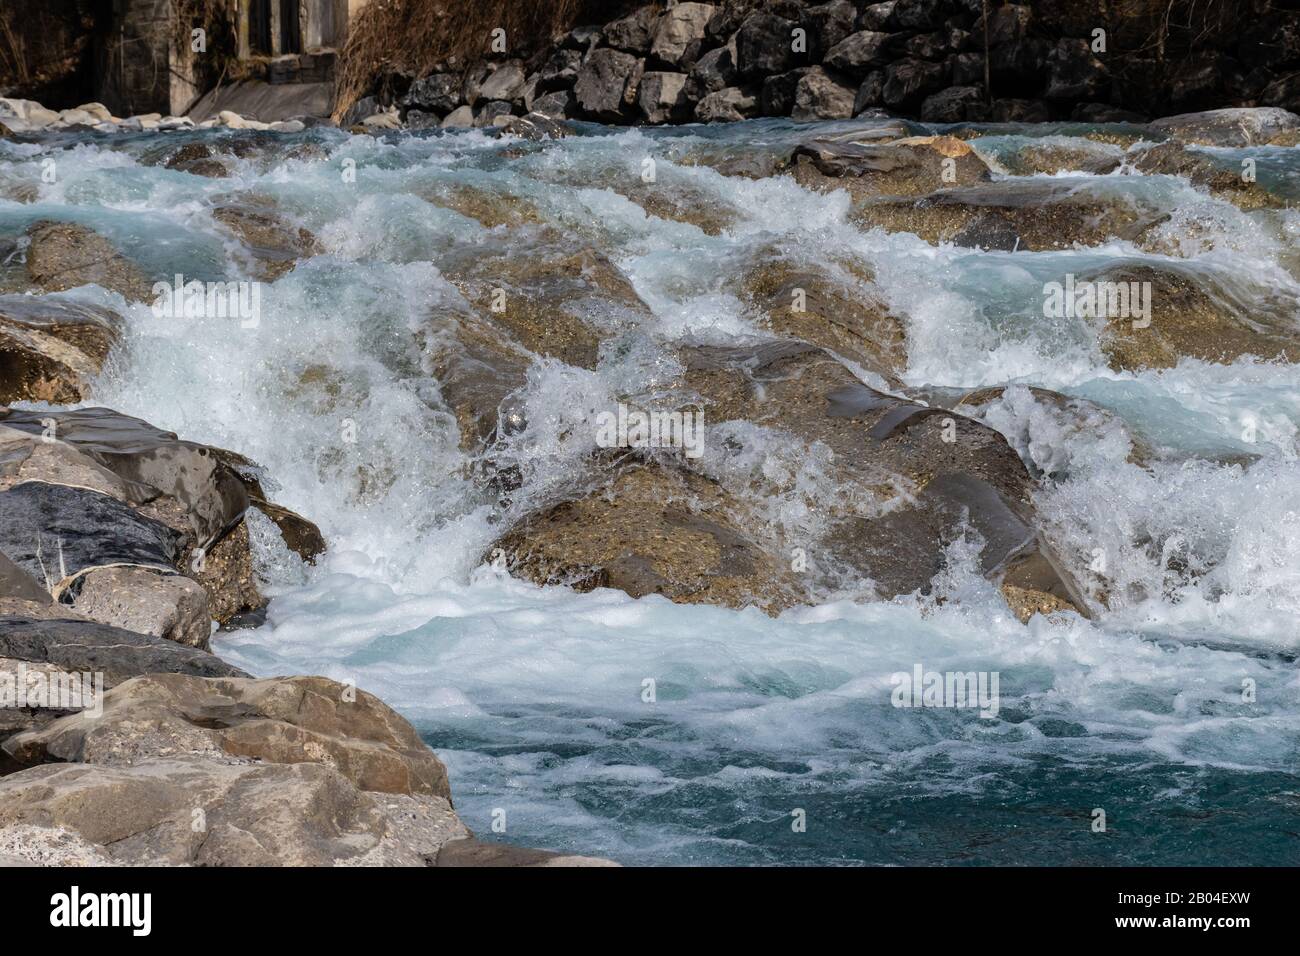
column 535, row 697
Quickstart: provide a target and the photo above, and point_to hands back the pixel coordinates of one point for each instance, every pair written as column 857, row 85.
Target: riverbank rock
column 79, row 646
column 64, row 255
column 50, row 348
column 200, row 811
column 1192, row 315
column 279, row 720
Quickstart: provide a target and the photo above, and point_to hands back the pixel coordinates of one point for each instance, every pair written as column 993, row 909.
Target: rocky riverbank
column 939, row 61
column 123, row 740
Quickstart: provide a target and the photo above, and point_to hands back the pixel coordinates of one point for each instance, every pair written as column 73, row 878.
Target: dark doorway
column 259, row 27
column 290, row 31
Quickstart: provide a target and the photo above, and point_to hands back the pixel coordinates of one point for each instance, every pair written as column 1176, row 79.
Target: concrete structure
column 147, row 64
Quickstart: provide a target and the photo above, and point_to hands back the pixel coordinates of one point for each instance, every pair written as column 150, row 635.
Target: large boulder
column 842, row 314
column 662, row 97
column 822, row 96
column 727, row 106
column 859, row 53
column 274, row 243
column 605, row 81
column 199, row 811
column 438, row 93
column 278, row 720
column 79, row 646
column 50, row 347
column 634, row 32
column 1223, row 179
column 1016, row 214
column 908, row 479
column 765, row 46
column 679, row 33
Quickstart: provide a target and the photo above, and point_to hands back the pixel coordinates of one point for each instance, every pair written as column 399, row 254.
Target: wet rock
column 85, row 646
column 284, row 720
column 64, row 255
column 1192, row 315
column 552, row 301
column 1042, row 215
column 907, row 479
column 1234, row 128
column 911, row 166
column 535, row 127
column 196, row 159
column 844, row 316
column 679, row 33
column 489, row 208
column 1073, row 155
column 604, row 81
column 145, row 601
column 300, row 536
column 680, row 202
column 275, row 244
column 1223, row 181
column 51, row 348
column 652, row 530
column 821, row 95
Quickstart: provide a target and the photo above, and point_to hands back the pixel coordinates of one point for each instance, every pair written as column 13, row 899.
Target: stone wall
column 1048, row 59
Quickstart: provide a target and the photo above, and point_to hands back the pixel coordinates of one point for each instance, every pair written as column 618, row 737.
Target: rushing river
column 534, row 696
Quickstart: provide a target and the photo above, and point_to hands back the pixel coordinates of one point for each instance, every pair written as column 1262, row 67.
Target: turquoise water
column 535, row 697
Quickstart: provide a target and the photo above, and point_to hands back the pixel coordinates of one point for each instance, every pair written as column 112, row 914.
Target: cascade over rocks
column 905, row 492
column 50, row 348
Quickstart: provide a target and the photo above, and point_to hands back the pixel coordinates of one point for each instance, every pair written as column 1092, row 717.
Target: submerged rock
column 1192, row 315
column 64, row 255
column 845, row 316
column 1233, row 128
column 275, row 244
column 1224, row 182
column 1034, row 215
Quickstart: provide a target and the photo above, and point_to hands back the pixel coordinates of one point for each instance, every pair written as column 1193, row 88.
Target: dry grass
column 1175, row 26
column 417, row 37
